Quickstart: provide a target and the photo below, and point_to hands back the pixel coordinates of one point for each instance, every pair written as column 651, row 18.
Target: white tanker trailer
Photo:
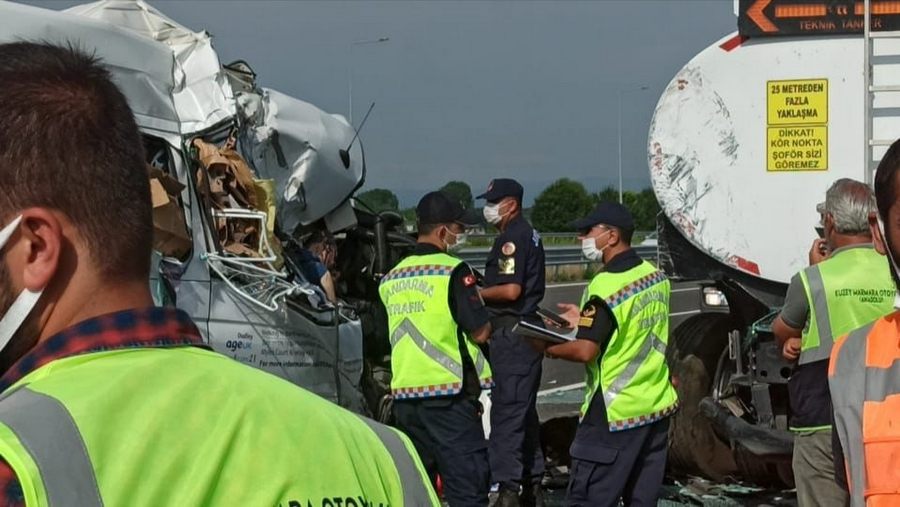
column 743, row 143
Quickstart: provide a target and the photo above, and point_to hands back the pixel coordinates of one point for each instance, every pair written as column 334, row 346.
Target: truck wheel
column 763, row 472
column 693, row 353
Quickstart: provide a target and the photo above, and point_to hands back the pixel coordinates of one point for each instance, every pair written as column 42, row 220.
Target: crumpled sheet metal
column 200, row 92
column 170, row 75
column 297, row 145
column 175, row 85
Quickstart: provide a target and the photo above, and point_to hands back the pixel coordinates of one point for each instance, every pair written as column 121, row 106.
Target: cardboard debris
column 170, row 233
column 231, row 180
column 232, row 185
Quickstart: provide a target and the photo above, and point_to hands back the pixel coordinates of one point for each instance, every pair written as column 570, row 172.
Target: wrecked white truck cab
column 212, row 136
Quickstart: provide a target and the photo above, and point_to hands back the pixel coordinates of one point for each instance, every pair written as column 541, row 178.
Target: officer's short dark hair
column 68, row 141
column 885, row 179
column 625, row 234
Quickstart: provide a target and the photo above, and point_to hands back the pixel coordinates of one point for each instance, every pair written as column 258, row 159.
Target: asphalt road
column 559, row 374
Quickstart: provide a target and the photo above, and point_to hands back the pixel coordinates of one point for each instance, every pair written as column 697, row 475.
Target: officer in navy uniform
column 514, row 286
column 442, row 419
column 619, row 450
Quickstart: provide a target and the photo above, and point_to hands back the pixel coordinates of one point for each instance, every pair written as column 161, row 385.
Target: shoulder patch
column 536, row 237
column 587, row 315
column 508, row 248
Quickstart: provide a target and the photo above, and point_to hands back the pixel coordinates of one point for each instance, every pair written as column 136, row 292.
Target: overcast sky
column 473, row 90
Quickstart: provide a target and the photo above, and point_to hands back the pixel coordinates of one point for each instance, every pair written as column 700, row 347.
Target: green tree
column 409, row 215
column 559, row 204
column 379, row 199
column 461, row 191
column 609, row 193
column 644, row 207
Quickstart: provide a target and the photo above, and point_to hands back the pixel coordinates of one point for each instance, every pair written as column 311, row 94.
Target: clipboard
column 538, row 332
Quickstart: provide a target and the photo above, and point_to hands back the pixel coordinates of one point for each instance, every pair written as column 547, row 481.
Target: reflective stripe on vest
column 75, row 437
column 414, row 490
column 46, row 430
column 632, row 374
column 624, row 378
column 865, row 387
column 844, row 292
column 818, row 311
column 407, row 328
column 426, row 342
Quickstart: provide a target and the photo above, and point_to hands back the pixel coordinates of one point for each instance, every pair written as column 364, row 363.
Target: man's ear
column 42, row 235
column 615, row 236
column 877, row 239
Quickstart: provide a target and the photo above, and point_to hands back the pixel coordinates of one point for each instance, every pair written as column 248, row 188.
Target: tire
column 698, row 350
column 693, row 354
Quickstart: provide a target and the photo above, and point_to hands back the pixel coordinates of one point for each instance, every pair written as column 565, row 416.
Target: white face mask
column 890, row 257
column 492, row 213
column 589, row 248
column 14, row 317
column 460, row 241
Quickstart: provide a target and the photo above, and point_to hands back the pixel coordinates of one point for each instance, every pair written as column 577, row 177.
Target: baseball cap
column 606, row 213
column 440, row 208
column 502, row 187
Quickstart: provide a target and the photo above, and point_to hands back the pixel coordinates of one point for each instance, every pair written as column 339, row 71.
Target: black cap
column 440, row 208
column 502, row 187
column 606, row 213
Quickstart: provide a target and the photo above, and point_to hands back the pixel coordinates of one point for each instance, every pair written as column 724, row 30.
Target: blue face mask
column 12, row 320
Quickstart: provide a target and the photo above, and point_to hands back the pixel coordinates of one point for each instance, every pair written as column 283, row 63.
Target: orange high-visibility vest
column 864, row 378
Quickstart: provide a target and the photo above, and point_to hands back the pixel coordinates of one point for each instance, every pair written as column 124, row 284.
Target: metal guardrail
column 555, row 255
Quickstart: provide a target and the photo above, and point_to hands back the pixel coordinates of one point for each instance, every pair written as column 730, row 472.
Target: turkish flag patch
column 469, row 280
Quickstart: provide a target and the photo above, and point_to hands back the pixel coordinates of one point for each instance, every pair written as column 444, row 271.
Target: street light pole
column 350, row 70
column 619, row 93
column 619, row 130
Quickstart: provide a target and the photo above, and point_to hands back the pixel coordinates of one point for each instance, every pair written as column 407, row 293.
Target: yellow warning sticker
column 801, row 148
column 797, row 102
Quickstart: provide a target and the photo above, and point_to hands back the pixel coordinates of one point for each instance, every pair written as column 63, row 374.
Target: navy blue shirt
column 593, row 433
column 517, row 257
column 311, row 267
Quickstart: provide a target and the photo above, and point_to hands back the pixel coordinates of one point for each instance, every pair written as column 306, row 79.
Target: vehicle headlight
column 714, row 297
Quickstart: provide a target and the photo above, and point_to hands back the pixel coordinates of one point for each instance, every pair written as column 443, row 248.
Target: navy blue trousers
column 515, row 447
column 607, row 466
column 449, row 438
